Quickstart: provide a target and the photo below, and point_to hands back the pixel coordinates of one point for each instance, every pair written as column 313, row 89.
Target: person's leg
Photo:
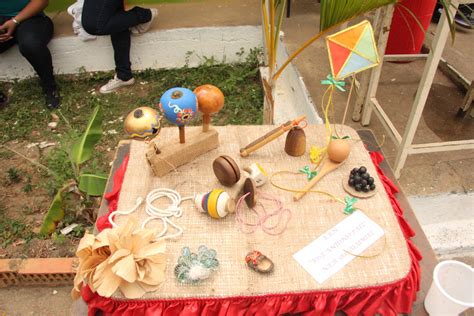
column 106, row 17
column 121, row 43
column 33, row 36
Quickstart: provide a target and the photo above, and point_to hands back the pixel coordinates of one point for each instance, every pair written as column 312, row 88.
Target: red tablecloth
column 388, row 299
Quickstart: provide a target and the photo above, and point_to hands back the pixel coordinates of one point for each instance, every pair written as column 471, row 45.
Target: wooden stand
column 164, row 157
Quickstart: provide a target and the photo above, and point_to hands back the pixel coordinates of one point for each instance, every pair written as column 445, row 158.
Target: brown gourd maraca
column 210, row 100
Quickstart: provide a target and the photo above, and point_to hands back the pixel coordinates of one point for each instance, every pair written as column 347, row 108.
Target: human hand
column 6, row 31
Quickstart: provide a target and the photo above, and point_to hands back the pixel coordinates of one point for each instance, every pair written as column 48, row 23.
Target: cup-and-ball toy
column 143, row 122
column 338, row 151
column 179, row 106
column 217, row 203
column 210, row 100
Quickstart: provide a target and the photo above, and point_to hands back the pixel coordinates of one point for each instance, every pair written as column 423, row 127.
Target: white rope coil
column 111, row 216
column 154, row 213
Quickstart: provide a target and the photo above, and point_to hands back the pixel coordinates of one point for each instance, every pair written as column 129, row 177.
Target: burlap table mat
column 311, row 217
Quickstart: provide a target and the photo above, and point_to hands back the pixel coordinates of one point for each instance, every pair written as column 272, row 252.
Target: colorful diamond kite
column 352, row 50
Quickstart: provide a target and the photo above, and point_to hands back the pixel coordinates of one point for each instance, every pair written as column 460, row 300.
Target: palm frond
column 447, row 4
column 336, row 11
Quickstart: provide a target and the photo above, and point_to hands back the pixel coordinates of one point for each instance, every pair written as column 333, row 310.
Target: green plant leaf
column 337, row 11
column 92, row 184
column 84, row 147
column 54, row 215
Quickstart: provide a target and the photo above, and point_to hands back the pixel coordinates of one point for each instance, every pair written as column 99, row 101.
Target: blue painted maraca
column 179, row 105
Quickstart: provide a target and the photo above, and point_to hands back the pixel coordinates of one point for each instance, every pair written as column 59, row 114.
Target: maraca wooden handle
column 182, row 137
column 206, row 121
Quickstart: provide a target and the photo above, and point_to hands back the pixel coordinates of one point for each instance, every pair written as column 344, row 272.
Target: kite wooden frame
column 404, row 143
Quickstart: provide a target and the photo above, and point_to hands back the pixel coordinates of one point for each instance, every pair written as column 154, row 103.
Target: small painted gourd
column 143, row 122
column 217, row 203
column 179, row 105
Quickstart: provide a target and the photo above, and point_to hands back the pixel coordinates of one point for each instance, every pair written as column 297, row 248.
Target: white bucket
column 452, row 290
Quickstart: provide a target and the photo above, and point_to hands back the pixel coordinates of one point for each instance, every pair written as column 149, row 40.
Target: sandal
column 259, row 262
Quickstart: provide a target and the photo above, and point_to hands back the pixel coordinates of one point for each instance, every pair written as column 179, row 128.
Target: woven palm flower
column 122, row 258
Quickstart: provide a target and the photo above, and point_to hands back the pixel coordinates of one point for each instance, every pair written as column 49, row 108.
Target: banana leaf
column 84, row 147
column 54, row 215
column 92, row 184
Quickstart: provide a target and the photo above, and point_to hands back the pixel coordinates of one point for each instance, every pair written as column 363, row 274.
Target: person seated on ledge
column 23, row 22
column 108, row 17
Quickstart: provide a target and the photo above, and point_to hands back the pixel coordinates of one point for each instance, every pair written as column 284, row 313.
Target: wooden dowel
column 206, row 121
column 182, row 135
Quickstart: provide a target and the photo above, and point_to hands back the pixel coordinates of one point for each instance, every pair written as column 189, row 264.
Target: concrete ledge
column 447, row 221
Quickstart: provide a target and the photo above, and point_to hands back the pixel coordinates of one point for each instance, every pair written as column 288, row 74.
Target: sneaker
column 52, row 99
column 144, row 27
column 3, row 100
column 114, row 84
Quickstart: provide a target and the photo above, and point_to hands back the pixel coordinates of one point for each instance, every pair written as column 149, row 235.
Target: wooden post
column 382, row 23
column 439, row 41
column 182, row 135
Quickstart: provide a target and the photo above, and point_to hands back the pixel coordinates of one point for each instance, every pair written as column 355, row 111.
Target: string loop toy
column 165, row 215
column 133, row 209
column 263, row 216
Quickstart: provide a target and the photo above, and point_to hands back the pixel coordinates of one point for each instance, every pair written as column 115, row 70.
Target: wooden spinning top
column 217, row 203
column 295, row 144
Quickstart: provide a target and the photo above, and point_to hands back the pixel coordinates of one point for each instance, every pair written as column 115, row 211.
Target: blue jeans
column 32, row 37
column 108, row 17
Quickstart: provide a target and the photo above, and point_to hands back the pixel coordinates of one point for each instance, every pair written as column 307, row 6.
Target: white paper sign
column 332, row 251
